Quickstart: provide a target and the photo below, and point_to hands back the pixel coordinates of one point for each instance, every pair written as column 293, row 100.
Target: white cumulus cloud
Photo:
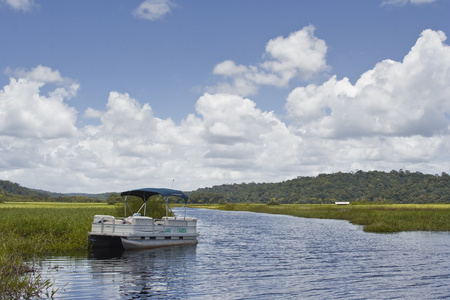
column 153, row 9
column 24, row 112
column 300, row 55
column 405, row 98
column 238, row 135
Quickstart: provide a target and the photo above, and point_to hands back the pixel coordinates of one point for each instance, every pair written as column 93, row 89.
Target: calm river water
column 243, row 255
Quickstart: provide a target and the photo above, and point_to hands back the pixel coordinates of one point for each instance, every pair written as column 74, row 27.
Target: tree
column 113, row 199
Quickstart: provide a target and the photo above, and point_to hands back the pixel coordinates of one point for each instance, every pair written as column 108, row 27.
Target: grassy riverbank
column 32, row 230
column 38, row 228
column 385, row 218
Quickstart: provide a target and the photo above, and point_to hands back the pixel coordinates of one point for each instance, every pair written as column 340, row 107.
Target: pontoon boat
column 139, row 231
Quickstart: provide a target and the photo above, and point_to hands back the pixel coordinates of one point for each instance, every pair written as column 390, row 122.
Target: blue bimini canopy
column 148, row 192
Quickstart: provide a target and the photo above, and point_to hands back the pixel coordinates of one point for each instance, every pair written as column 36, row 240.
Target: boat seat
column 139, row 220
column 103, row 219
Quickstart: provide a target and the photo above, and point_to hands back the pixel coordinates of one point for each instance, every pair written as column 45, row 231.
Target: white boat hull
column 139, row 232
column 139, row 243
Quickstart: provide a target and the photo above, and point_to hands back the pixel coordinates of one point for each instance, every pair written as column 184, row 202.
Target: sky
column 111, row 95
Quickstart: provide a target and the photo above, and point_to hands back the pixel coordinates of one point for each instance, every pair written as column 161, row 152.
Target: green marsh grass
column 36, row 229
column 29, row 231
column 386, row 218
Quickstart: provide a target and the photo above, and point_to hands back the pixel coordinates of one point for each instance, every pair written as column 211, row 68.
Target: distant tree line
column 357, row 187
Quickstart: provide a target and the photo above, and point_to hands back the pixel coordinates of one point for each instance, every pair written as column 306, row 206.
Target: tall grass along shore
column 385, row 218
column 32, row 230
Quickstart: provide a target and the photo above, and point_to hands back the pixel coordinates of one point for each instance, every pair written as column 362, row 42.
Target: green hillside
column 358, row 187
column 362, row 187
column 11, row 191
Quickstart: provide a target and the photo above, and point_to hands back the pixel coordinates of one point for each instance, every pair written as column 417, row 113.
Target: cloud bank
column 396, row 116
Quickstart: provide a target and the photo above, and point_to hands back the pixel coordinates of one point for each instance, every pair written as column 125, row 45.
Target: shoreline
column 376, row 218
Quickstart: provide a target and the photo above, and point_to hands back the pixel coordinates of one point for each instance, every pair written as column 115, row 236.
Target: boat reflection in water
column 140, row 274
column 105, row 253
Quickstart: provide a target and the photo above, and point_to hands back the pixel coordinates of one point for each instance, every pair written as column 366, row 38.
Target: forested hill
column 11, row 191
column 12, row 188
column 374, row 186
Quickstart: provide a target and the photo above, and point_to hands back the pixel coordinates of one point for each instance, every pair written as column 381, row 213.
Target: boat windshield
column 146, row 193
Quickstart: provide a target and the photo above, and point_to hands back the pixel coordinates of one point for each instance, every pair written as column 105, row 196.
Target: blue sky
column 107, row 95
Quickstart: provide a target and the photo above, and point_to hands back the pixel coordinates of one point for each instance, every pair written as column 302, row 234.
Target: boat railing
column 170, row 225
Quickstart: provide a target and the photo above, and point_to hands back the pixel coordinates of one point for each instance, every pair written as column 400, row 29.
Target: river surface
column 243, row 255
